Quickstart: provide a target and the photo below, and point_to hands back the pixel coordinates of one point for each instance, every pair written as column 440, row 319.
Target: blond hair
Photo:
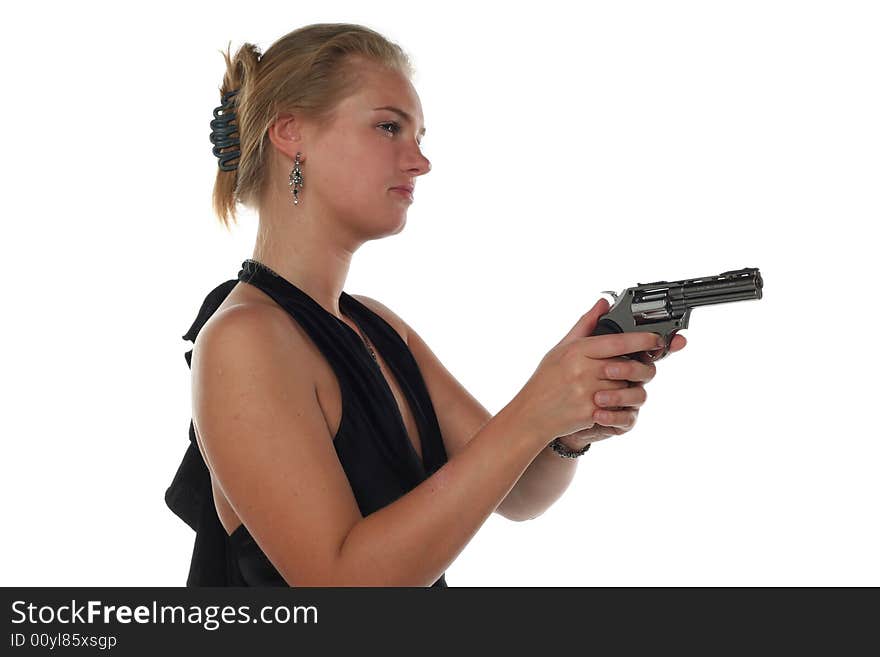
column 308, row 71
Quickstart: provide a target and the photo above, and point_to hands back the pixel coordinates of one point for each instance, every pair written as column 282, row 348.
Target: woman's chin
column 400, row 225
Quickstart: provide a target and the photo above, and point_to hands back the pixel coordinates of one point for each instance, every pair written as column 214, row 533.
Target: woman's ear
column 286, row 134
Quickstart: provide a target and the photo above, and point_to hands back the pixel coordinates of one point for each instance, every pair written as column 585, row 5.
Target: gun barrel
column 660, row 300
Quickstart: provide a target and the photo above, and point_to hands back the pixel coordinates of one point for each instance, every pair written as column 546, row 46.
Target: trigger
column 613, row 294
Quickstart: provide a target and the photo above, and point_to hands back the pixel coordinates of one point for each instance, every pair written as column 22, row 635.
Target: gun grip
column 606, row 327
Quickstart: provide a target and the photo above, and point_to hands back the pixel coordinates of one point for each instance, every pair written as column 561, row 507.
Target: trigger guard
column 654, row 359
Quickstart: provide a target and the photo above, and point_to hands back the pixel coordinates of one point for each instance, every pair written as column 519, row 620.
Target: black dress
column 372, row 443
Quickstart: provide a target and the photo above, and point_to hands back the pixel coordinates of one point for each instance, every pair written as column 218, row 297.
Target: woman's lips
column 403, row 191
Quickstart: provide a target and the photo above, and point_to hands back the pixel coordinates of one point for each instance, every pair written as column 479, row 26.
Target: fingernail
column 661, row 343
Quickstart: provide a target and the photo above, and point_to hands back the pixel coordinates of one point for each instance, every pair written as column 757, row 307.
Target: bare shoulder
column 245, row 321
column 385, row 313
column 245, row 304
column 242, row 338
column 252, row 340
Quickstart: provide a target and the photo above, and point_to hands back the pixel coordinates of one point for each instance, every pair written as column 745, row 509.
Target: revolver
column 665, row 307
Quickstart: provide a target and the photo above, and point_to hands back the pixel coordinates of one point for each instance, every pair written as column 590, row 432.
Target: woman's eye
column 393, row 124
column 395, row 128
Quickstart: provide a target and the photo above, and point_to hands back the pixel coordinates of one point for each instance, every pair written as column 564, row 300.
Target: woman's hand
column 626, row 392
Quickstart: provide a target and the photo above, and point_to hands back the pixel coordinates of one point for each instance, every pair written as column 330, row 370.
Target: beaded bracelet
column 565, row 452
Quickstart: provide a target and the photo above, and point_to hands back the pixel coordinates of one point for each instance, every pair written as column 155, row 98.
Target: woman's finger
column 621, row 419
column 631, row 397
column 629, row 369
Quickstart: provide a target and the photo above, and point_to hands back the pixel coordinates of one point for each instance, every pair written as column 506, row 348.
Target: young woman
column 329, row 446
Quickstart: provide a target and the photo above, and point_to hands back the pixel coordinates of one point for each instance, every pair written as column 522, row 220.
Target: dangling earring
column 296, row 180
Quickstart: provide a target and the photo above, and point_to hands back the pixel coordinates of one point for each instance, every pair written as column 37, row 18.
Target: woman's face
column 352, row 166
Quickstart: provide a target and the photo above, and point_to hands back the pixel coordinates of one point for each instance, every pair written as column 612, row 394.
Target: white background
column 575, row 149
